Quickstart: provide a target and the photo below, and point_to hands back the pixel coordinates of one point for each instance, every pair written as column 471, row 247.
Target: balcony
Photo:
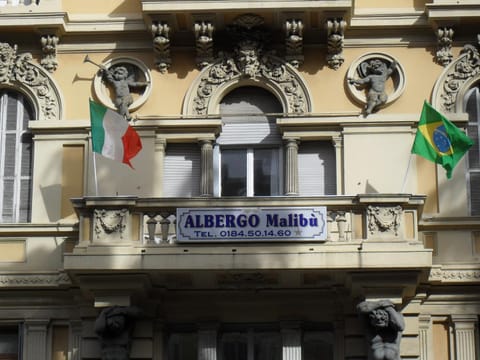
column 31, row 14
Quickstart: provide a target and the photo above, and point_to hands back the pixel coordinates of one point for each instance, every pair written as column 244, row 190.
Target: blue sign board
column 251, row 224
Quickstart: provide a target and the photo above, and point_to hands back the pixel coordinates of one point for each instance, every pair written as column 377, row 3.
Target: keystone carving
column 204, row 43
column 294, row 42
column 335, row 36
column 49, row 52
column 161, row 45
column 110, row 222
column 384, row 219
column 19, row 71
column 444, row 46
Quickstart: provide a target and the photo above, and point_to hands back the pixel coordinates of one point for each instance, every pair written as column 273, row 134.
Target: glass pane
column 266, row 174
column 182, row 347
column 268, row 347
column 234, row 173
column 12, row 111
column 234, row 348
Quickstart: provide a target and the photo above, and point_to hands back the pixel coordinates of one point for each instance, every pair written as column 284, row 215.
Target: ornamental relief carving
column 384, row 220
column 249, row 63
column 455, row 80
column 110, row 223
column 447, row 275
column 19, row 71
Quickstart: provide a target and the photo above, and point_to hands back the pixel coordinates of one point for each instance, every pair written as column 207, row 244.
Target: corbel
column 335, row 35
column 203, row 30
column 294, row 42
column 444, row 54
column 49, row 44
column 161, row 45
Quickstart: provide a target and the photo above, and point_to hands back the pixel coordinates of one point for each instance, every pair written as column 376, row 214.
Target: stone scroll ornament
column 114, row 327
column 384, row 327
column 250, row 61
column 457, row 74
column 20, row 71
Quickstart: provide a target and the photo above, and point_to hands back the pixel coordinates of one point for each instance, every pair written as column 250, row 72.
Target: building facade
column 275, row 204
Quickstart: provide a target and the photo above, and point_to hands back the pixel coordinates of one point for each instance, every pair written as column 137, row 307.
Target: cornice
column 454, row 274
column 36, row 280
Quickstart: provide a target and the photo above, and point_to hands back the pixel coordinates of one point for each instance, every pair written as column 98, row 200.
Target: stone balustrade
column 152, row 221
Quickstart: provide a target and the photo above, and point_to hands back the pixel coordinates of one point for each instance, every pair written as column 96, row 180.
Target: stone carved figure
column 384, row 329
column 122, row 81
column 247, row 57
column 376, row 72
column 114, row 327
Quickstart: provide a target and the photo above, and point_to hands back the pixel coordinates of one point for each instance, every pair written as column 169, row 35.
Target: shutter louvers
column 316, row 168
column 181, row 170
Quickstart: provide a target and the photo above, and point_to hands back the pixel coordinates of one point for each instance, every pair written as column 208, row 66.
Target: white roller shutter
column 181, row 170
column 316, row 168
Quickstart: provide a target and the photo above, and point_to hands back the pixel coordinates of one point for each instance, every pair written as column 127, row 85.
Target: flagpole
column 95, row 172
column 406, row 174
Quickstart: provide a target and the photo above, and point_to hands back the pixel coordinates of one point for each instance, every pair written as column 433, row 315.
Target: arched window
column 15, row 157
column 472, row 107
column 249, row 157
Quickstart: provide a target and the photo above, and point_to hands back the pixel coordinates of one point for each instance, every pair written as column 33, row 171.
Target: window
column 316, row 168
column 15, row 157
column 249, row 149
column 472, row 107
column 181, row 170
column 9, row 343
column 251, row 345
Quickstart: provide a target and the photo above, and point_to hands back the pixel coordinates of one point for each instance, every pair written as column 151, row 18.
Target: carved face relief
column 247, row 59
column 379, row 318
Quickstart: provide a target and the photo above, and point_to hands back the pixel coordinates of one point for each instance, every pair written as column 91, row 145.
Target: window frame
column 21, row 129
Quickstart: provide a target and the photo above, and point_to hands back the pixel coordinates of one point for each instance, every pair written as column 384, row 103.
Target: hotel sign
column 251, row 224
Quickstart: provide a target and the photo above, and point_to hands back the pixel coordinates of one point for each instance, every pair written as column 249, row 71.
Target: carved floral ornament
column 110, row 222
column 457, row 78
column 374, row 71
column 384, row 219
column 19, row 72
column 249, row 64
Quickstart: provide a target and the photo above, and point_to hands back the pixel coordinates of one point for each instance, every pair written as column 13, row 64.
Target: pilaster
column 291, row 341
column 207, row 342
column 464, row 333
column 206, row 177
column 425, row 337
column 35, row 345
column 291, row 167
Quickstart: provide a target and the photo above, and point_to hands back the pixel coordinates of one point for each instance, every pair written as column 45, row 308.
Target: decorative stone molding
column 369, row 65
column 18, row 71
column 456, row 79
column 454, row 275
column 110, row 223
column 335, row 35
column 204, row 43
column 248, row 65
column 161, row 45
column 137, row 71
column 444, row 54
column 294, row 42
column 35, row 280
column 384, row 219
column 49, row 52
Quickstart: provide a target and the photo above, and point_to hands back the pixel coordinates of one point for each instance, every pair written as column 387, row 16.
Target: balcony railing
column 134, row 221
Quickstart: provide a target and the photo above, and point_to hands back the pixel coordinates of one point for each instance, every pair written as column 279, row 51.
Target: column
column 338, row 144
column 206, row 178
column 425, row 337
column 207, row 342
column 158, row 339
column 291, row 167
column 75, row 342
column 291, row 341
column 464, row 333
column 35, row 345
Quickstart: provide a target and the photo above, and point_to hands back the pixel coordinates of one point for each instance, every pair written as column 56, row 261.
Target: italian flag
column 112, row 136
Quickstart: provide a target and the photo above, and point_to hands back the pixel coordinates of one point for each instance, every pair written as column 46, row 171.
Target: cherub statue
column 122, row 81
column 114, row 327
column 376, row 74
column 384, row 329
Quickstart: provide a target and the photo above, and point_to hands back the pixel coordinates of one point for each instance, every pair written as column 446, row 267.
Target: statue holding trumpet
column 121, row 81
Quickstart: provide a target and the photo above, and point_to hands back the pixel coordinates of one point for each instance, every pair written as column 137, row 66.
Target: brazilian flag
column 439, row 140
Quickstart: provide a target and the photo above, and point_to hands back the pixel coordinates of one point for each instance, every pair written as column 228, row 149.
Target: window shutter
column 472, row 107
column 316, row 168
column 181, row 170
